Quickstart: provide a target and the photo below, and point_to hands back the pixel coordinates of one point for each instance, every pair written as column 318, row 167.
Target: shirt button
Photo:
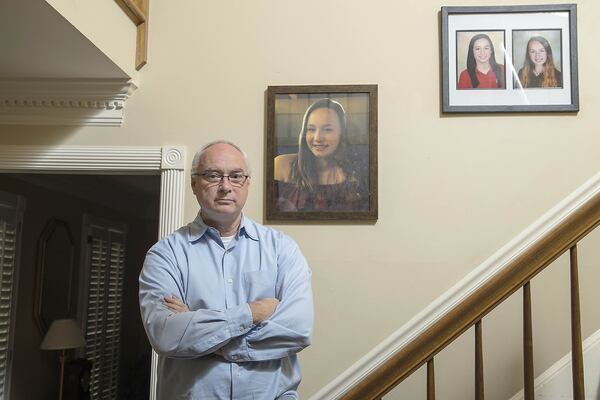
column 242, row 327
column 229, row 280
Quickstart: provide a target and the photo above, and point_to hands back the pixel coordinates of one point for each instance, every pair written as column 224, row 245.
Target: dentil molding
column 92, row 102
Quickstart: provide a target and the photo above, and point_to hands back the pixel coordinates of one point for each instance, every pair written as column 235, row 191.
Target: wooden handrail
column 479, row 303
column 133, row 11
column 137, row 11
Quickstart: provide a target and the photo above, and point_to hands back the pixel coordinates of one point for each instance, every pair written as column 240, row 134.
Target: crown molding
column 85, row 102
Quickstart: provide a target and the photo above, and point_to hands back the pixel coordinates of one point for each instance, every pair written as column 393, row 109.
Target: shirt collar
column 198, row 228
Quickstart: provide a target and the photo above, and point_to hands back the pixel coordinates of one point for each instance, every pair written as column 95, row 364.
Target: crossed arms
column 265, row 329
column 260, row 309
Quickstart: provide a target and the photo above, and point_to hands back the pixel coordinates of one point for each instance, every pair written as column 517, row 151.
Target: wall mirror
column 53, row 274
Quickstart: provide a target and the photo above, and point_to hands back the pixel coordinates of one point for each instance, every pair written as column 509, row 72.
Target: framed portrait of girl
column 321, row 158
column 538, row 58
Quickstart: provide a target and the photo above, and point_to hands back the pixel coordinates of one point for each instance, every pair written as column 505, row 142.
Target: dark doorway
column 130, row 202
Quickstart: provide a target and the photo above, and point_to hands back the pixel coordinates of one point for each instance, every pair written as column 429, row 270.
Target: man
column 226, row 302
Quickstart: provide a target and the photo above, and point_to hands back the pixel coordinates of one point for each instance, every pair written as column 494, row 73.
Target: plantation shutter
column 106, row 249
column 11, row 217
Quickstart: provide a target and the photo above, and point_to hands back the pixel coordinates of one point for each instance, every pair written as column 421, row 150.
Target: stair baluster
column 430, row 380
column 576, row 342
column 528, row 380
column 479, row 392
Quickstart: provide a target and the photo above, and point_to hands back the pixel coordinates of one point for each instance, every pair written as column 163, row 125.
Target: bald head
column 221, row 201
column 200, row 153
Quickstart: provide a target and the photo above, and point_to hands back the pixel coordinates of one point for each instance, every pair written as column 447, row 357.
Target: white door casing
column 168, row 161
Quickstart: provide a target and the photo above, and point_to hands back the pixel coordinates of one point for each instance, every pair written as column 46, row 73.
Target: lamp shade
column 63, row 334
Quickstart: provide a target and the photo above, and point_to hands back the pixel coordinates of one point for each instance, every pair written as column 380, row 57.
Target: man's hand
column 176, row 305
column 262, row 309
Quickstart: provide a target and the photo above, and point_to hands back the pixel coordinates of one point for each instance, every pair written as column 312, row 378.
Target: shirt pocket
column 259, row 284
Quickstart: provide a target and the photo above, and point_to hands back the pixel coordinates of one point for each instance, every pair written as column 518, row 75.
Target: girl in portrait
column 322, row 175
column 538, row 69
column 482, row 72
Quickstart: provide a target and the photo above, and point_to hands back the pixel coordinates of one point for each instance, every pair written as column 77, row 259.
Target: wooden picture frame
column 512, row 80
column 321, row 156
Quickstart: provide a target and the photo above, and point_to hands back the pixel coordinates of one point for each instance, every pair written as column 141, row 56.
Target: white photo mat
column 510, row 98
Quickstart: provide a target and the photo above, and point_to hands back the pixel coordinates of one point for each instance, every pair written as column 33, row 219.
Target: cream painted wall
column 453, row 189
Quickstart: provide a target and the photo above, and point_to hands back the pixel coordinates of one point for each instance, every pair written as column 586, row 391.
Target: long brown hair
column 472, row 64
column 528, row 67
column 303, row 168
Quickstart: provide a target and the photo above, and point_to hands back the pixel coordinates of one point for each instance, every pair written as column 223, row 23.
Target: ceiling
column 37, row 42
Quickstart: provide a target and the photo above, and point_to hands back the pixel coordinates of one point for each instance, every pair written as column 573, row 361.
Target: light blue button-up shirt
column 214, row 351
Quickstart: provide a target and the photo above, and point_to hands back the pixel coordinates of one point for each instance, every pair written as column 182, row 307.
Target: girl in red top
column 482, row 72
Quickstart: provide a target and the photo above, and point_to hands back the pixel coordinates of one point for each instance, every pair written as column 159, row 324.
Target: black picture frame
column 352, row 193
column 554, row 89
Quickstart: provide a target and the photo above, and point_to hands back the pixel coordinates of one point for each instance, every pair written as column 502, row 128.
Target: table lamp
column 63, row 334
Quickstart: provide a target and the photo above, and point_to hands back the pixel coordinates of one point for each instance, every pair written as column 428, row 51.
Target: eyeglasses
column 236, row 178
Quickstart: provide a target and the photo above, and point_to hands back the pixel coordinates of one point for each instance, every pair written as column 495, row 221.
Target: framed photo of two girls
column 510, row 59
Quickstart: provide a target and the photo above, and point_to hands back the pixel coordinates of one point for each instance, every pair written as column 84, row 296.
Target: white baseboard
column 382, row 352
column 556, row 381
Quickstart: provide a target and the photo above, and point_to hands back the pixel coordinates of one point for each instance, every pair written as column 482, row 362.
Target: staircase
column 420, row 342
